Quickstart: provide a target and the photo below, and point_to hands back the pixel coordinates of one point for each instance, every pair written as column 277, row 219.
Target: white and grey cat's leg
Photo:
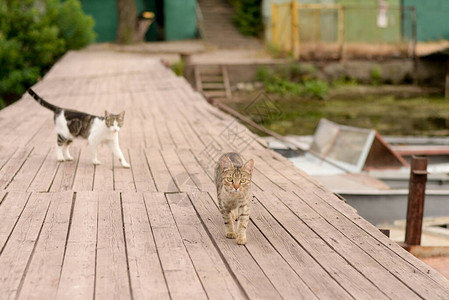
column 93, row 151
column 61, row 142
column 65, row 150
column 243, row 223
column 59, row 153
column 115, row 148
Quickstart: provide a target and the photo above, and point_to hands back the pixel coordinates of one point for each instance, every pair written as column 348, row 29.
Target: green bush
column 293, row 79
column 248, row 16
column 33, row 35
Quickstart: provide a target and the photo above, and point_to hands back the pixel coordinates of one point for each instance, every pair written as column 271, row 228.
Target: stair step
column 213, row 85
column 215, row 94
column 211, row 78
column 212, row 72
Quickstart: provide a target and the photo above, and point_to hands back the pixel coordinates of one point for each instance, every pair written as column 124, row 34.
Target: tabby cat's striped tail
column 42, row 101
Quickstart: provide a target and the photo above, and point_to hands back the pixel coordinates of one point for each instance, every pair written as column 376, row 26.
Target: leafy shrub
column 248, row 17
column 315, row 88
column 292, row 79
column 33, row 35
column 75, row 27
column 178, row 67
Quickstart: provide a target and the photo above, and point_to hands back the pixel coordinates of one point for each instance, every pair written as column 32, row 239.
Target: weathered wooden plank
column 85, row 172
column 161, row 175
column 46, row 174
column 211, row 269
column 2, row 196
column 44, row 134
column 251, row 277
column 322, row 283
column 282, row 276
column 348, row 277
column 18, row 251
column 177, row 135
column 6, row 152
column 28, row 171
column 42, row 276
column 14, row 164
column 147, row 278
column 104, row 175
column 181, row 179
column 198, row 177
column 123, row 177
column 403, row 272
column 143, row 178
column 182, row 279
column 111, row 277
column 78, row 270
column 63, row 180
column 149, row 131
column 11, row 207
column 193, row 141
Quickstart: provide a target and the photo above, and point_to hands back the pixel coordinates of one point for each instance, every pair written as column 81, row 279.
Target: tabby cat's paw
column 125, row 165
column 61, row 159
column 69, row 158
column 96, row 162
column 241, row 240
column 231, row 235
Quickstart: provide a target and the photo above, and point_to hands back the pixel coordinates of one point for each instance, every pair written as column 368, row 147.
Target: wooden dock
column 75, row 231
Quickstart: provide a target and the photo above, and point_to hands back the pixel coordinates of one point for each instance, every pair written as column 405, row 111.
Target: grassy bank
column 389, row 115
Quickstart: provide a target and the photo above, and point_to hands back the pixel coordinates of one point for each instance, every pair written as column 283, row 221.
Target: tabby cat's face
column 237, row 179
column 114, row 122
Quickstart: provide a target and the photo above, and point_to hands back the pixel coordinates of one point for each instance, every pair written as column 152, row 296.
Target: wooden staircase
column 213, row 82
column 218, row 27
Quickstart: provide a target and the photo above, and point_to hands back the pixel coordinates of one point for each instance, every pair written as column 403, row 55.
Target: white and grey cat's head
column 114, row 122
column 235, row 176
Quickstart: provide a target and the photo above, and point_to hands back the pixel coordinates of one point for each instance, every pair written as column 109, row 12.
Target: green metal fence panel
column 362, row 24
column 432, row 19
column 180, row 19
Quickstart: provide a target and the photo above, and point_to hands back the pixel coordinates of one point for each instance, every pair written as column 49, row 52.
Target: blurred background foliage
column 248, row 16
column 33, row 35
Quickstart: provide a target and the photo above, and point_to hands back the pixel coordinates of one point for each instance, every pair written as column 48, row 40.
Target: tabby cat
column 233, row 181
column 70, row 124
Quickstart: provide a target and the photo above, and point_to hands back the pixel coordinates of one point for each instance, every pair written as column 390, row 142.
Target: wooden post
column 295, row 30
column 416, row 195
column 446, row 90
column 274, row 18
column 341, row 30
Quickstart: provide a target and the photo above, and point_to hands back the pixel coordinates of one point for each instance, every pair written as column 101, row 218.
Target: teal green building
column 174, row 19
column 432, row 19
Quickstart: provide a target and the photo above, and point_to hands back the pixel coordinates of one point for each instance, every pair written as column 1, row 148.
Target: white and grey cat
column 71, row 124
column 233, row 182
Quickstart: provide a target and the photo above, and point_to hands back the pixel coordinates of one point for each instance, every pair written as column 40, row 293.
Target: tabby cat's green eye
column 243, row 180
column 229, row 179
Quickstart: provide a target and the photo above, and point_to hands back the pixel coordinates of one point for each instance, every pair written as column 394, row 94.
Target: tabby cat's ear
column 122, row 115
column 226, row 163
column 248, row 166
column 106, row 114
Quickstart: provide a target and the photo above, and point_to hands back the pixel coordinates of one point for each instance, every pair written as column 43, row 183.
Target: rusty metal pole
column 446, row 89
column 416, row 195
